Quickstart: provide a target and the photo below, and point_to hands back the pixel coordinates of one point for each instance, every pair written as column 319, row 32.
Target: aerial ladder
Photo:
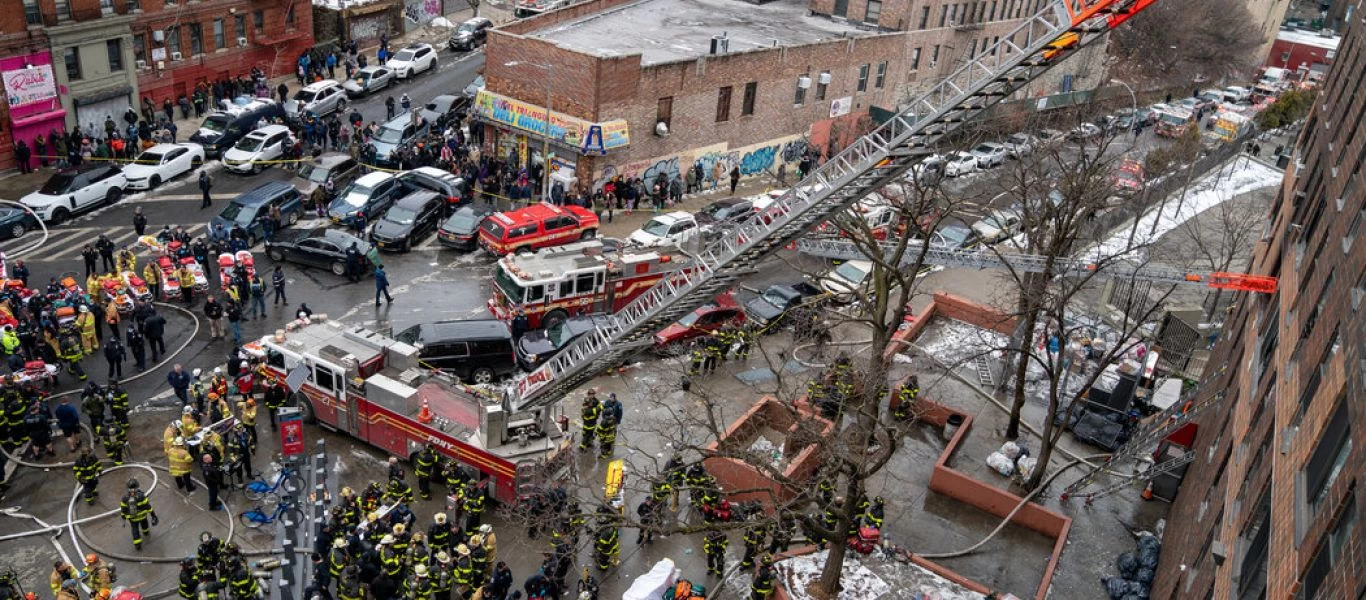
column 881, row 157
column 979, row 258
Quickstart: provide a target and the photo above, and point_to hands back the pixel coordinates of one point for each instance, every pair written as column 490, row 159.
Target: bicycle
column 257, row 517
column 287, row 479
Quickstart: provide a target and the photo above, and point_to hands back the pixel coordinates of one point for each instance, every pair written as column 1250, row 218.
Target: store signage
column 563, row 128
column 31, row 84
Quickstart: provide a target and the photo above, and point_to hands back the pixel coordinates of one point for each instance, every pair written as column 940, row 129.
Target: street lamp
column 545, row 135
column 1132, row 97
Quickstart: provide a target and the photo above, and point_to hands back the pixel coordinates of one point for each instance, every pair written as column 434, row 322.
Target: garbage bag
column 1126, row 564
column 1011, row 450
column 1147, row 557
column 1001, row 464
column 1149, row 542
column 1144, row 575
column 1139, row 589
column 1116, row 587
column 1026, row 466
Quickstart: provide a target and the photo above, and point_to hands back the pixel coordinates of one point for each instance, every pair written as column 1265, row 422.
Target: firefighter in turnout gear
column 754, row 540
column 426, row 461
column 607, row 435
column 443, row 577
column 464, row 566
column 479, row 559
column 402, row 539
column 589, row 413
column 439, row 534
column 697, row 354
column 70, row 351
column 905, row 398
column 472, row 505
column 607, row 545
column 744, row 337
column 348, row 585
column 243, row 585
column 418, row 586
column 782, row 535
column 118, row 403
column 189, row 579
column 99, row 574
column 873, row 514
column 338, row 558
column 418, row 551
column 714, row 546
column 87, row 470
column 762, row 586
column 390, row 561
column 136, row 509
column 398, row 491
column 114, row 439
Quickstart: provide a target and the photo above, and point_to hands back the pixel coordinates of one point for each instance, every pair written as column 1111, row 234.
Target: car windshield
column 409, row 335
column 404, row 56
column 467, row 28
column 774, row 298
column 356, row 194
column 402, row 216
column 314, row 173
column 58, row 184
column 1173, row 119
column 236, row 212
column 149, row 158
column 391, row 136
column 954, row 235
column 507, row 285
column 561, row 333
column 304, row 96
column 494, row 229
column 984, row 149
column 692, row 317
column 216, row 124
column 656, row 227
column 250, row 143
column 461, row 221
column 851, row 272
column 1018, row 138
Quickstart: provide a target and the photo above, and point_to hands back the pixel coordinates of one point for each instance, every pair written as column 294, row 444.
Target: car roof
column 464, row 328
column 318, row 85
column 373, row 68
column 416, row 46
column 675, row 216
column 476, row 20
column 398, row 122
column 476, row 209
column 268, row 131
column 435, row 173
column 163, row 148
column 416, row 200
column 331, row 159
column 374, row 179
column 262, row 193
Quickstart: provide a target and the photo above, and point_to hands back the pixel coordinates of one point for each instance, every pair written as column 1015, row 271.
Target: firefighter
column 113, row 439
column 136, row 509
column 725, row 338
column 348, row 586
column 588, row 587
column 370, row 498
column 490, row 542
column 398, row 491
column 439, row 533
column 762, row 586
column 650, row 512
column 713, row 352
column 874, row 513
column 85, row 323
column 246, row 412
column 390, row 562
column 418, row 585
column 754, row 539
column 607, row 435
column 118, row 402
column 350, row 507
column 210, row 588
column 714, row 546
column 71, row 352
column 206, row 558
column 87, row 470
column 479, row 560
column 830, row 520
column 402, row 539
column 473, row 506
column 443, row 576
column 419, row 553
column 607, row 545
column 782, row 535
column 243, row 585
column 189, row 581
column 426, row 461
column 338, row 558
column 464, row 567
column 589, row 413
column 697, row 353
column 825, row 489
column 455, row 477
column 99, row 574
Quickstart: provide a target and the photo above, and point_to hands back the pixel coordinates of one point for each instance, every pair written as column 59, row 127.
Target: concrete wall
column 802, row 459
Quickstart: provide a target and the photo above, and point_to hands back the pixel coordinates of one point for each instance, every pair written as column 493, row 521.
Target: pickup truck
column 770, row 306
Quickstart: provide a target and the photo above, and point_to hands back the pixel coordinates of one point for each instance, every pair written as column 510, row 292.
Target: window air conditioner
column 177, row 56
column 141, row 64
column 242, row 42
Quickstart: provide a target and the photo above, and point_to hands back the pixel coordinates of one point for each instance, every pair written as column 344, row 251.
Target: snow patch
column 876, row 580
column 955, row 342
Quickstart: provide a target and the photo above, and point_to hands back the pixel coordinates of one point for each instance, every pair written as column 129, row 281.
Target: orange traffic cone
column 1148, row 491
column 424, row 416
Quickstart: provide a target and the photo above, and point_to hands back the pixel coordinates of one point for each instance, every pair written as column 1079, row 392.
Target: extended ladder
column 1168, row 466
column 870, row 163
column 843, row 249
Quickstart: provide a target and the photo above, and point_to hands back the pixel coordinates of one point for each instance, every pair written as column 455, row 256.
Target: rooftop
column 672, row 30
column 1309, row 38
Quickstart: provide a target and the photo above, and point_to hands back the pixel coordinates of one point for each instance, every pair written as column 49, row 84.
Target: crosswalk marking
column 66, row 244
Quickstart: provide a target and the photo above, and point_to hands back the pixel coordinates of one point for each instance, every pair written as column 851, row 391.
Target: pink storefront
column 31, row 92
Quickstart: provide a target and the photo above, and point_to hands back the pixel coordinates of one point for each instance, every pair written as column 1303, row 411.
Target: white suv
column 670, row 228
column 412, row 59
column 74, row 190
column 321, row 99
column 265, row 144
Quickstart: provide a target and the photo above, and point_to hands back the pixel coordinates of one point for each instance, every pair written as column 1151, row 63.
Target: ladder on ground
column 982, row 258
column 870, row 163
column 1168, row 466
column 983, row 370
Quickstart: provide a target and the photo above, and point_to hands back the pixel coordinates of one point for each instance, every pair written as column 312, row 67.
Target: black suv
column 409, row 220
column 476, row 350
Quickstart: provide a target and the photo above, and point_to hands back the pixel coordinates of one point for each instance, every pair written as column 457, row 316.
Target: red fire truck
column 581, row 278
column 357, row 381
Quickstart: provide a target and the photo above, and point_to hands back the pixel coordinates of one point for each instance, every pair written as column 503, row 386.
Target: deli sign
column 29, row 85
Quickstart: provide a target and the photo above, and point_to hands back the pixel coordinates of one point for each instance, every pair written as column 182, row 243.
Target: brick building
column 31, row 104
column 1303, row 52
column 1270, row 507
column 665, row 84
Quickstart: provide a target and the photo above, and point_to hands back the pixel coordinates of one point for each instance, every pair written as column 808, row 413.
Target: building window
column 863, row 78
column 664, row 111
column 924, row 17
column 1327, row 460
column 115, row 49
column 106, row 7
column 991, row 16
column 841, row 8
column 915, row 59
column 72, row 57
column 973, row 50
column 723, row 104
column 63, row 10
column 800, row 97
column 821, row 86
column 172, row 41
column 881, row 75
column 133, row 5
column 1331, row 553
column 289, row 16
column 240, row 26
column 874, row 12
column 196, row 38
column 140, row 47
column 32, row 15
column 747, row 101
column 258, row 21
column 934, row 55
column 943, row 15
column 219, row 36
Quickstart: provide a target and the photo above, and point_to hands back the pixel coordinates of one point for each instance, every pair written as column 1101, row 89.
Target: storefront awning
column 39, row 118
column 586, row 136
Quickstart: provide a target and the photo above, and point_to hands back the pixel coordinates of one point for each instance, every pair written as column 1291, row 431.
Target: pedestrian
column 277, row 283
column 213, row 311
column 717, row 172
column 154, row 327
column 69, row 421
column 205, row 184
column 139, row 222
column 137, row 345
column 405, row 102
column 91, row 259
column 213, row 479
column 114, row 354
column 389, row 108
column 234, row 315
column 734, row 178
column 179, row 381
column 353, row 263
column 382, row 286
column 22, row 154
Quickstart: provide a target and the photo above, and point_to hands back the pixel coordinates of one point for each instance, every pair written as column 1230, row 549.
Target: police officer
column 607, row 435
column 136, row 509
column 87, row 470
column 589, row 413
column 714, row 546
column 754, row 539
column 426, row 461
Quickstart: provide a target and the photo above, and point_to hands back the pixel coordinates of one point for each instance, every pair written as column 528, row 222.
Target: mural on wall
column 758, row 159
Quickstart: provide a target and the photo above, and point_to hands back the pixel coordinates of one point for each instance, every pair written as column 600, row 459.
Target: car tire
column 111, row 197
column 17, row 231
column 339, row 269
column 256, row 168
column 589, row 234
column 305, row 408
column 154, row 182
column 482, row 375
column 553, row 318
column 196, row 163
column 60, row 216
column 276, row 254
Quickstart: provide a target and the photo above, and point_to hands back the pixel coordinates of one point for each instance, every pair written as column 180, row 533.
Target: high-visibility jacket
column 248, row 416
column 135, row 507
column 180, row 461
column 151, row 274
column 425, row 461
column 86, row 323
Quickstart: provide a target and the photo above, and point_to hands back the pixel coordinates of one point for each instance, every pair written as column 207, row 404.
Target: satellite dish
column 662, row 129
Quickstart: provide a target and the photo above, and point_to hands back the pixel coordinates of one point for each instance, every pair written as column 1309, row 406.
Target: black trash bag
column 1132, row 597
column 1116, row 587
column 1138, row 589
column 1144, row 575
column 1147, row 558
column 1149, row 542
column 1126, row 564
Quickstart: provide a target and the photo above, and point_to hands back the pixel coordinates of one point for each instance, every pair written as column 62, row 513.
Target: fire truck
column 878, row 214
column 580, row 278
column 372, row 387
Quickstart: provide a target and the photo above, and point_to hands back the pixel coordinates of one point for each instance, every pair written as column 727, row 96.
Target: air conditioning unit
column 241, row 42
column 177, row 56
column 161, row 65
column 159, row 35
column 662, row 129
column 824, row 78
column 804, row 82
column 141, row 64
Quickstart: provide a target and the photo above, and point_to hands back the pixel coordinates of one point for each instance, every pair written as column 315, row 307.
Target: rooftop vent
column 720, row 44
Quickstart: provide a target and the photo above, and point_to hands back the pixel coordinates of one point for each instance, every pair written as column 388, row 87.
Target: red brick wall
column 569, row 13
column 574, row 79
column 974, row 313
column 734, row 474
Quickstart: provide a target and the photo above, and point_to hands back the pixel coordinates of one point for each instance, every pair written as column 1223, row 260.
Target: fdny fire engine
column 581, row 278
column 373, row 387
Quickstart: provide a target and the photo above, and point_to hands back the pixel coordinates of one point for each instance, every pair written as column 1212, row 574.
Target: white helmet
column 188, row 410
column 218, row 370
column 197, row 372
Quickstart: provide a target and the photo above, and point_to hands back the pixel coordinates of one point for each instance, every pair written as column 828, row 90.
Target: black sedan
column 445, row 109
column 730, row 211
column 409, row 220
column 539, row 346
column 318, row 247
column 15, row 222
column 461, row 231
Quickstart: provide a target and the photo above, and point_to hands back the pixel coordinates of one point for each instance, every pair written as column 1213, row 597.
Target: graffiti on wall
column 420, row 12
column 758, row 159
column 367, row 29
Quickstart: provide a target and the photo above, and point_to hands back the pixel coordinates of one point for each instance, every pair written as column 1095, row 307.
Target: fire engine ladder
column 1167, row 466
column 873, row 161
column 843, row 249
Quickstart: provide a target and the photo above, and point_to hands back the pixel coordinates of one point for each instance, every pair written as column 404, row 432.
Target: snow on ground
column 340, row 4
column 1237, row 177
column 867, row 578
column 953, row 341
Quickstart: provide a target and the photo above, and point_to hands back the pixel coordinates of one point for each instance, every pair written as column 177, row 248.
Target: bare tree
column 1171, row 41
column 1217, row 240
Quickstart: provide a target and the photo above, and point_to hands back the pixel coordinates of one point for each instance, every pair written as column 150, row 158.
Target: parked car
column 1019, row 144
column 408, row 221
column 1210, row 99
column 731, row 211
column 669, row 228
column 470, row 34
column 321, row 247
column 536, row 226
column 366, row 198
column 537, row 347
column 1128, row 176
column 1047, row 137
column 1146, row 115
column 223, row 128
column 953, row 236
column 445, row 109
column 475, row 350
column 990, row 154
column 311, row 181
column 15, row 222
column 846, row 282
column 71, row 191
column 252, row 152
column 1122, row 120
column 368, row 81
column 1084, row 132
column 928, row 171
column 414, row 58
column 161, row 163
column 461, row 230
column 959, row 163
column 450, row 187
column 772, row 305
column 320, row 98
column 247, row 209
column 399, row 131
column 1237, row 94
column 473, row 88
column 723, row 311
column 996, row 226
